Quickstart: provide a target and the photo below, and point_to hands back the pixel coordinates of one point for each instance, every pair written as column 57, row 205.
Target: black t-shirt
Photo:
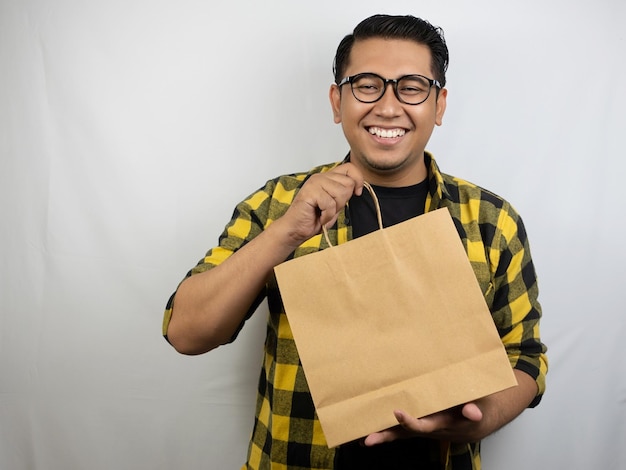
column 397, row 205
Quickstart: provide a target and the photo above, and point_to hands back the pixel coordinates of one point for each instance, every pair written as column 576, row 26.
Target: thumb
column 472, row 412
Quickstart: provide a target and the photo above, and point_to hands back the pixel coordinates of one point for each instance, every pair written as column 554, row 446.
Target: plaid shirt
column 287, row 433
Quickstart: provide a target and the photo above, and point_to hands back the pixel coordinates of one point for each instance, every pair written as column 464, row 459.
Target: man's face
column 387, row 138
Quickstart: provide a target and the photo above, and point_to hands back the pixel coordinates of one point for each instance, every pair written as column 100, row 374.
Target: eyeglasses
column 410, row 89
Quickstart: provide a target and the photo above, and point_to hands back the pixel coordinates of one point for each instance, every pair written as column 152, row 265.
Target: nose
column 388, row 105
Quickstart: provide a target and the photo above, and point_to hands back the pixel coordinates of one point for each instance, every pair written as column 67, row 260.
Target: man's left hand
column 470, row 422
column 456, row 424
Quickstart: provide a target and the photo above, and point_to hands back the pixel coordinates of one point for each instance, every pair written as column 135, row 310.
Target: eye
column 411, row 90
column 367, row 84
column 367, row 87
column 413, row 86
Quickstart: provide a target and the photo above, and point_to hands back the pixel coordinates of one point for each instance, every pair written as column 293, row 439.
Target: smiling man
column 388, row 132
column 388, row 96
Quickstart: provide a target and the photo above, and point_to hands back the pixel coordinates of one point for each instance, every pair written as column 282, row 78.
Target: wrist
column 285, row 236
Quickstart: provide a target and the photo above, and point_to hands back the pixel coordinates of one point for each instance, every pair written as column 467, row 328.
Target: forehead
column 389, row 57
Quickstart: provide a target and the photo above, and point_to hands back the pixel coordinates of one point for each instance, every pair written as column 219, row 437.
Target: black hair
column 396, row 27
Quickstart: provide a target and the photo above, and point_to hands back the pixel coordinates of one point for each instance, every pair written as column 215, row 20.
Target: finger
column 353, row 173
column 413, row 424
column 472, row 412
column 333, row 197
column 387, row 435
column 426, row 425
column 326, row 221
column 329, row 205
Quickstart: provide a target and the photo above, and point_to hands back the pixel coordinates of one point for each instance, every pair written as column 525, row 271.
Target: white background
column 129, row 129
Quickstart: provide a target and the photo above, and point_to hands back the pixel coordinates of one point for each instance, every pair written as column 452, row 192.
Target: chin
column 384, row 165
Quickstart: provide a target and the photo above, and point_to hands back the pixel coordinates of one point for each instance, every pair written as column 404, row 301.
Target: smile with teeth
column 386, row 133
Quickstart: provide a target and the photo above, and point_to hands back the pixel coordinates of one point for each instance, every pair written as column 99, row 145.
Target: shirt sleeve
column 516, row 309
column 248, row 220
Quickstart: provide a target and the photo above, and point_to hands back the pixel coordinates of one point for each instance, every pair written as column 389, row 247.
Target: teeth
column 386, row 133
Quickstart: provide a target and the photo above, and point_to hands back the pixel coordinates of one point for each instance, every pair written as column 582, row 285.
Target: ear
column 335, row 102
column 441, row 106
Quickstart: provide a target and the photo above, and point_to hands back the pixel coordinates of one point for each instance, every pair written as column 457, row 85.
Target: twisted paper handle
column 378, row 214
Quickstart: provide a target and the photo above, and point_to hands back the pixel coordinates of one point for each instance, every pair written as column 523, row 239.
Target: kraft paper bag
column 391, row 320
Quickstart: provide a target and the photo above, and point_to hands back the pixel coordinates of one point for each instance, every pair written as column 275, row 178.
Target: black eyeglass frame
column 386, row 81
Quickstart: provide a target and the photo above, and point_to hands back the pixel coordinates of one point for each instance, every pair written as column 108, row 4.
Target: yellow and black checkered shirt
column 287, row 433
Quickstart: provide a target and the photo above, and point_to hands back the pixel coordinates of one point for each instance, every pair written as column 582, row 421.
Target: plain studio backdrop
column 129, row 129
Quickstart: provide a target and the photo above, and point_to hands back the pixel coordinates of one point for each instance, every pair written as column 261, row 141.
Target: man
column 388, row 95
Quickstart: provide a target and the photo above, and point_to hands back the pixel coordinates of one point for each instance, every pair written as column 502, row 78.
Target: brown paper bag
column 392, row 320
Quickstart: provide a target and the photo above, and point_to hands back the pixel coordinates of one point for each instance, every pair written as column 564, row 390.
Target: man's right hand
column 319, row 202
